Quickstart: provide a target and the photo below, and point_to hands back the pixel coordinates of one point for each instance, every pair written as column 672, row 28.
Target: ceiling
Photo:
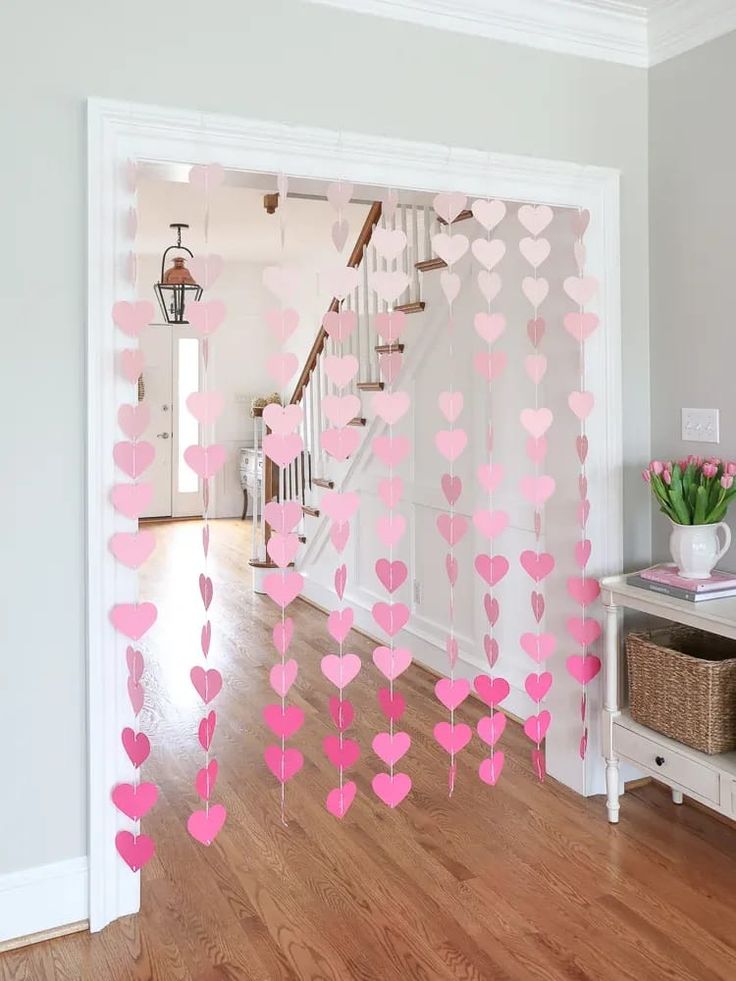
column 631, row 32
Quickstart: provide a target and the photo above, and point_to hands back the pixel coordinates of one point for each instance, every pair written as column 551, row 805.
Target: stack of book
column 664, row 579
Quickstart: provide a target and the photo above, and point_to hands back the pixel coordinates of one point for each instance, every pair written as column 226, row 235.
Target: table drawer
column 687, row 773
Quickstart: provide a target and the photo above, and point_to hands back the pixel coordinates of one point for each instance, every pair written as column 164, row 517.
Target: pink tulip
column 656, row 466
column 647, row 476
column 731, row 469
column 709, row 470
column 667, row 477
column 727, row 481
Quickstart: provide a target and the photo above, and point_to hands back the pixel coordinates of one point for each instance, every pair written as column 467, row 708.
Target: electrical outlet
column 417, row 592
column 700, row 425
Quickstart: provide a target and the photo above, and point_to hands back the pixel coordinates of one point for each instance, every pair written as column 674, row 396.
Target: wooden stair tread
column 463, row 216
column 417, row 306
column 428, row 264
column 312, row 512
column 357, row 421
column 303, row 539
column 370, row 386
column 323, row 482
column 389, row 348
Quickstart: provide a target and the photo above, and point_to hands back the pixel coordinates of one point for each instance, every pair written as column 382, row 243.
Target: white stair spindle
column 405, row 256
column 427, row 233
column 414, row 251
column 254, row 528
column 364, row 327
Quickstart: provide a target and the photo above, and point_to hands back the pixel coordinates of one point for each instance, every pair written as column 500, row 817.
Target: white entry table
column 708, row 779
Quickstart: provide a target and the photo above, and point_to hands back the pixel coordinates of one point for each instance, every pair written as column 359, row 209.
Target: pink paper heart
column 283, row 518
column 490, row 326
column 205, row 590
column 391, row 789
column 340, row 409
column 339, row 232
column 283, row 450
column 390, row 326
column 491, row 727
column 448, row 205
column 490, row 605
column 535, row 251
column 451, row 442
column 582, row 553
column 340, row 670
column 282, row 419
column 536, row 421
column 536, row 449
column 339, row 535
column 283, row 587
column 489, row 213
column 452, row 738
column 538, row 565
column 207, row 683
column 283, row 281
column 205, row 316
column 492, row 691
column 490, row 364
column 452, row 692
column 583, row 669
column 537, row 490
column 340, row 324
column 537, row 685
column 282, row 367
column 581, row 325
column 133, row 458
column 490, row 476
column 535, row 330
column 490, row 649
column 536, row 726
column 136, row 745
column 206, row 269
column 535, row 218
column 341, row 752
column 340, row 506
column 340, row 443
column 283, row 721
column 391, row 617
column 580, row 221
column 134, row 661
column 390, row 528
column 390, row 201
column 583, row 513
column 206, row 177
column 390, row 748
column 131, row 364
column 491, row 768
column 535, row 290
column 452, row 487
column 584, row 591
column 206, row 730
column 283, row 763
column 340, row 370
column 136, row 695
column 204, row 782
column 581, row 403
column 135, row 850
column 205, row 826
column 450, row 283
column 581, row 289
column 131, row 499
column 391, row 450
column 390, row 406
column 489, row 252
column 538, row 763
column 389, row 284
column 282, row 676
column 539, row 647
column 132, row 317
column 205, row 406
column 451, row 405
column 205, row 461
column 282, row 549
column 341, row 578
column 132, row 548
column 392, row 662
column 450, row 248
column 135, row 801
column 206, row 638
column 489, row 283
column 452, row 528
column 339, row 624
column 391, row 575
column 491, row 569
column 392, row 704
column 537, row 604
column 390, row 490
column 342, row 712
column 133, row 619
column 389, row 366
column 490, row 523
column 451, row 568
column 134, row 419
column 340, row 799
column 339, row 194
column 585, row 632
column 581, row 446
column 282, row 322
column 389, row 243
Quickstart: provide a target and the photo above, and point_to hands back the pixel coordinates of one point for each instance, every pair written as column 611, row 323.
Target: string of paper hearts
column 490, row 566
column 340, row 440
column 282, row 444
column 206, row 460
column 450, row 443
column 538, row 644
column 133, row 456
column 583, row 589
column 391, row 450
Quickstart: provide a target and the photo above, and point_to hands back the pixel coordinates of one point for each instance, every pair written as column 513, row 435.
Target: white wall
column 273, row 59
column 693, row 251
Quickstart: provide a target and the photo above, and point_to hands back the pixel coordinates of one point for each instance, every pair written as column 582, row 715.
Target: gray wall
column 274, row 59
column 693, row 251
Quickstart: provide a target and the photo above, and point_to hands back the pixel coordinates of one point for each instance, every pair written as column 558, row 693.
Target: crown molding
column 622, row 31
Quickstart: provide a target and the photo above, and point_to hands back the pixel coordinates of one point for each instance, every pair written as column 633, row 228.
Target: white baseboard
column 43, row 898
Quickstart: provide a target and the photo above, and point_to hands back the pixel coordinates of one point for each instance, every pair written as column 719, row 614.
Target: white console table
column 708, row 779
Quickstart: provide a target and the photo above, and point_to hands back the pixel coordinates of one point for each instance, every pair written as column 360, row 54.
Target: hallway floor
column 518, row 882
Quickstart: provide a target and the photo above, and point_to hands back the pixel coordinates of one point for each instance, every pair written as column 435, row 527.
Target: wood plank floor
column 518, row 882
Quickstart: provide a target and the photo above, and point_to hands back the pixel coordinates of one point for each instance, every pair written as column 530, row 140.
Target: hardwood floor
column 518, row 882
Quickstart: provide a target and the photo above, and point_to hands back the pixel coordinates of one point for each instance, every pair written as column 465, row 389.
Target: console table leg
column 612, row 790
column 677, row 797
column 245, row 505
column 611, row 710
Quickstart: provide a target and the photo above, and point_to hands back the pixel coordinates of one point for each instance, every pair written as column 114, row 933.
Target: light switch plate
column 700, row 425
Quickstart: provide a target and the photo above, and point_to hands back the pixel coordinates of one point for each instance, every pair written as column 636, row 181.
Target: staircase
column 313, row 471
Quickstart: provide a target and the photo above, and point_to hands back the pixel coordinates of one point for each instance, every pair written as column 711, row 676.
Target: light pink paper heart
column 137, row 746
column 391, row 617
column 135, row 801
column 489, row 213
column 340, row 443
column 205, row 826
column 490, row 605
column 282, row 367
column 585, row 632
column 392, row 662
column 452, row 528
column 207, row 683
column 581, row 403
column 452, row 692
column 582, row 553
column 450, row 283
column 451, row 568
column 583, row 669
column 282, row 549
column 536, row 726
column 339, row 624
column 390, row 748
column 134, row 661
column 452, row 738
column 450, row 248
column 206, row 177
column 391, row 789
column 340, row 670
column 339, row 194
column 339, row 799
column 490, row 523
column 536, row 421
column 282, row 419
column 488, row 252
column 283, row 587
column 283, row 676
column 391, row 450
column 339, row 535
column 580, row 221
column 390, row 490
column 490, row 365
column 389, row 243
column 452, row 487
column 340, row 324
column 581, row 446
column 448, row 205
column 536, row 449
column 283, row 721
column 489, row 326
column 535, row 366
column 132, row 548
column 206, row 779
column 283, row 281
column 133, row 619
column 206, row 406
column 132, row 317
column 283, row 518
column 537, row 685
column 206, row 730
column 205, row 316
column 535, row 290
column 390, row 406
column 489, row 283
column 205, row 269
column 282, row 322
column 491, row 727
column 134, row 419
column 535, row 218
column 133, row 458
column 205, row 461
column 539, row 647
column 389, row 284
column 389, row 365
column 535, row 330
column 341, row 577
column 391, row 575
column 537, row 490
column 284, row 764
column 491, row 691
column 538, row 565
column 340, row 409
column 490, row 476
column 451, row 405
column 135, row 850
column 491, row 768
column 339, row 232
column 583, row 591
column 282, row 635
column 131, row 364
column 491, row 650
column 451, row 442
column 339, row 281
column 282, row 449
column 581, row 325
column 136, row 694
column 340, row 370
column 131, row 499
column 390, row 326
column 340, row 506
column 491, row 568
column 535, row 250
column 581, row 289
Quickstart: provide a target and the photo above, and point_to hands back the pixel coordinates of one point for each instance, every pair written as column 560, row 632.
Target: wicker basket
column 682, row 683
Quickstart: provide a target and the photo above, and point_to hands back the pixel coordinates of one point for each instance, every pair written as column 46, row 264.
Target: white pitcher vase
column 696, row 549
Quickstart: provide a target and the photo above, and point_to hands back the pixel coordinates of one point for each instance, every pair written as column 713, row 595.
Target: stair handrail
column 356, row 257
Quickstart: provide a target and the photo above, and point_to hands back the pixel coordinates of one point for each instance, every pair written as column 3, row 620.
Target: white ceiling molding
column 630, row 32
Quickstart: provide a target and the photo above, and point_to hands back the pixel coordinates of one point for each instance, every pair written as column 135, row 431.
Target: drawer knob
column 659, row 760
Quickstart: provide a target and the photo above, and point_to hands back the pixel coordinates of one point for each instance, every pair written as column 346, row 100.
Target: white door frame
column 121, row 131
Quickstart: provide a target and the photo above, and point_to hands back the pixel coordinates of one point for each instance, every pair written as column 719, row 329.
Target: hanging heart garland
column 133, row 456
column 450, row 443
column 490, row 522
column 391, row 449
column 584, row 590
column 536, row 420
column 206, row 459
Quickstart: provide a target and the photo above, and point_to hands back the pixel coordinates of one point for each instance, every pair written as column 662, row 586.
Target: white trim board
column 623, row 31
column 118, row 132
column 42, row 898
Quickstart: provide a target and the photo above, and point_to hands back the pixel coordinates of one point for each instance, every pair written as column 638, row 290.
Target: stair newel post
column 414, row 252
column 269, row 491
column 257, row 517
